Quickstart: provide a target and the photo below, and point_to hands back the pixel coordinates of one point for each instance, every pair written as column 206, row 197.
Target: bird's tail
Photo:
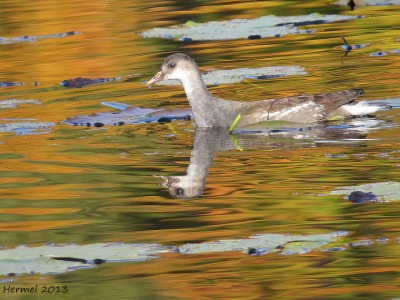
column 361, row 108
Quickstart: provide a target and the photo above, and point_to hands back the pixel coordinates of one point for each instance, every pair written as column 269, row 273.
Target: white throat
column 186, row 78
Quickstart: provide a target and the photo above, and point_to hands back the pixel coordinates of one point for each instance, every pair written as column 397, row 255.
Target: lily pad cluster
column 265, row 26
column 52, row 258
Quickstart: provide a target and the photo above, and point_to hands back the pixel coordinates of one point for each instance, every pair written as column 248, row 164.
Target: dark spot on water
column 98, row 124
column 303, row 23
column 346, row 46
column 252, row 251
column 71, row 33
column 120, row 123
column 382, row 240
column 187, row 117
column 11, row 274
column 164, row 120
column 277, row 35
column 360, row 197
column 379, row 53
column 88, row 124
column 351, row 4
column 98, row 261
column 254, row 37
column 2, row 84
column 185, row 39
column 335, row 249
column 81, row 82
column 65, row 83
column 360, row 243
column 268, row 76
column 73, row 259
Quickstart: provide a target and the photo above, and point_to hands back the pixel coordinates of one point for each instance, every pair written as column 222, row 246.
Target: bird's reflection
column 207, row 141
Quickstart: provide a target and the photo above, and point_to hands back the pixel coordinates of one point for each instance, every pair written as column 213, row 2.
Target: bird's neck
column 208, row 111
column 195, row 88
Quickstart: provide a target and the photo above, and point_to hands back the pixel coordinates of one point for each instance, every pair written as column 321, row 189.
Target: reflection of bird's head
column 176, row 66
column 182, row 187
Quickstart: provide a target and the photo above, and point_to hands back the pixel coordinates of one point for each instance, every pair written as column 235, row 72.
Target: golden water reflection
column 87, row 185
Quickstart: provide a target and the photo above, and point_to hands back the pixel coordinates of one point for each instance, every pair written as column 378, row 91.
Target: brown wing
column 302, row 108
column 318, row 105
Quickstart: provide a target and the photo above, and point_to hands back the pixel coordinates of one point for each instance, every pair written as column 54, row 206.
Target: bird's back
column 299, row 109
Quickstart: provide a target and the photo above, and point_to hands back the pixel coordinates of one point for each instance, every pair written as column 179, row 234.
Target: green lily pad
column 265, row 26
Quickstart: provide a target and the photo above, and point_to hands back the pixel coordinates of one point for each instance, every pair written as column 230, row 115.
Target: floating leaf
column 237, row 75
column 61, row 258
column 267, row 242
column 26, row 127
column 3, row 84
column 8, row 103
column 129, row 115
column 379, row 53
column 369, row 2
column 80, row 82
column 391, row 102
column 385, row 191
column 33, row 38
column 266, row 26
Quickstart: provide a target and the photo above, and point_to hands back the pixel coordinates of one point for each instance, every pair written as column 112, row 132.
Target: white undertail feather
column 361, row 108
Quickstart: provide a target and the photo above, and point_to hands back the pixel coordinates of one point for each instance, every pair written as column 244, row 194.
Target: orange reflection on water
column 39, row 225
column 47, row 192
column 37, row 211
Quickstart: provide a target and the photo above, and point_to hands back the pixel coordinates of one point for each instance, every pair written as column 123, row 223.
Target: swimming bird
column 210, row 111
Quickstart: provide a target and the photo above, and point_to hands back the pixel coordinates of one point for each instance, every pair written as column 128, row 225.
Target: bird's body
column 210, row 111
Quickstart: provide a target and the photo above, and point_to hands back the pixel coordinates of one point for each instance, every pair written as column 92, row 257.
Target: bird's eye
column 179, row 191
column 172, row 65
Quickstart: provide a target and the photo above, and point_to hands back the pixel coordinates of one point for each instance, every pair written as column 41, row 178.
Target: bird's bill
column 158, row 77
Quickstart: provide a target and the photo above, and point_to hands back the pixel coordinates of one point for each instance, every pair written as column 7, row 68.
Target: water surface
column 85, row 185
